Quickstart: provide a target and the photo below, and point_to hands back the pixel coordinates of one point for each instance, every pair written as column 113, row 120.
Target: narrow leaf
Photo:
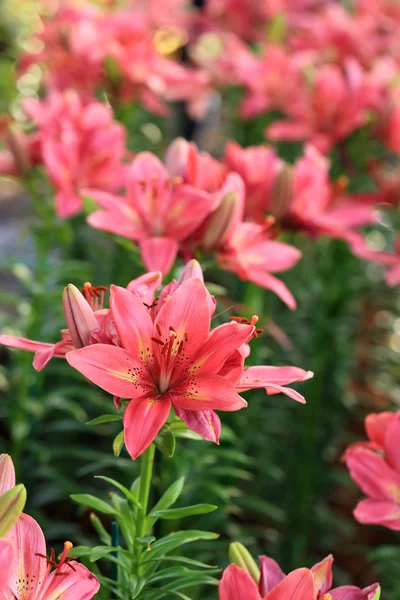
column 118, row 443
column 187, row 511
column 104, row 419
column 93, row 502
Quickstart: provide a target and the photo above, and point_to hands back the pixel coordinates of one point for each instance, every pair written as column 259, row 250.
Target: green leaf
column 167, row 499
column 129, row 496
column 118, row 443
column 184, row 560
column 146, row 541
column 79, row 551
column 165, row 442
column 186, row 511
column 99, row 552
column 93, row 502
column 175, row 540
column 104, row 536
column 180, row 430
column 104, row 419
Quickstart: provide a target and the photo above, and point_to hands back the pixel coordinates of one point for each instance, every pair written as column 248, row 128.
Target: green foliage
column 146, row 568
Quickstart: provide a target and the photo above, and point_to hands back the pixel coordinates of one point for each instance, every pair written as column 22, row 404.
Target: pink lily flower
column 73, row 53
column 168, row 358
column 158, row 211
column 87, row 320
column 253, row 254
column 26, row 572
column 31, row 576
column 336, row 106
column 272, row 575
column 247, row 249
column 81, row 147
column 378, row 475
column 273, row 81
column 304, row 198
column 237, row 584
column 258, row 166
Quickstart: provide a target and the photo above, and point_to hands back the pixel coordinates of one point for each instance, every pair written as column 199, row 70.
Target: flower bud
column 282, row 193
column 229, row 212
column 239, row 555
column 377, row 593
column 7, row 473
column 192, row 269
column 179, row 158
column 11, row 506
column 79, row 316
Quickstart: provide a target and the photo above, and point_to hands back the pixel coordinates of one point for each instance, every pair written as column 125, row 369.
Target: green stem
column 146, row 471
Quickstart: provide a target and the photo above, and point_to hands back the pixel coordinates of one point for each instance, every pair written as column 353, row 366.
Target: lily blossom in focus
column 375, row 467
column 168, row 358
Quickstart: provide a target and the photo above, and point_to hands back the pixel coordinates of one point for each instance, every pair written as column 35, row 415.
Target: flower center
column 94, row 295
column 171, row 349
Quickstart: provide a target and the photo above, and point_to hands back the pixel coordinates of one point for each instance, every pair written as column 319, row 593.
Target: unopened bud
column 229, row 212
column 192, row 269
column 239, row 555
column 7, row 473
column 11, row 506
column 282, row 193
column 79, row 316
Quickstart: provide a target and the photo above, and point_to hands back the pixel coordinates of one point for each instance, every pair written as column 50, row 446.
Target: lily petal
column 21, row 343
column 7, row 555
column 113, row 369
column 132, row 321
column 187, row 313
column 271, row 575
column 376, row 425
column 28, row 541
column 70, row 582
column 350, row 592
column 206, row 391
column 378, row 512
column 373, row 475
column 237, row 584
column 7, row 473
column 322, row 572
column 205, row 423
column 145, row 286
column 392, row 445
column 143, row 419
column 298, row 585
column 221, row 343
column 159, row 253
